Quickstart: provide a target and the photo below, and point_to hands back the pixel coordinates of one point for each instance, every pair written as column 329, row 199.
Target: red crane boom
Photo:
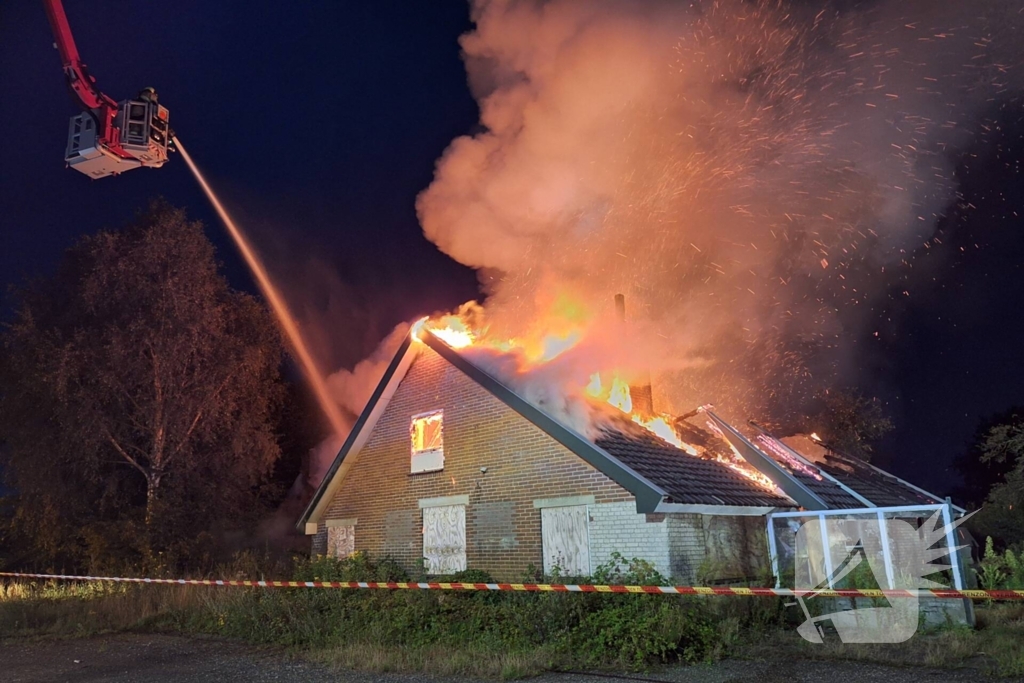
column 110, row 137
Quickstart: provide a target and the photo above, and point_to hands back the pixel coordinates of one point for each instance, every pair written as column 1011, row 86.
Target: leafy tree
column 850, row 422
column 137, row 402
column 979, row 472
column 997, row 455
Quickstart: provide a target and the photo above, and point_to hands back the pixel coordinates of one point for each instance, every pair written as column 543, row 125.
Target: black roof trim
column 647, row 494
column 789, row 484
column 356, row 428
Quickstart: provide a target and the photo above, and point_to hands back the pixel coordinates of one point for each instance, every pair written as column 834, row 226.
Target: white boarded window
column 566, row 539
column 427, row 434
column 444, row 539
column 341, row 541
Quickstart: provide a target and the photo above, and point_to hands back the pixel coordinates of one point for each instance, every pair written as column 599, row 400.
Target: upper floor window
column 427, row 435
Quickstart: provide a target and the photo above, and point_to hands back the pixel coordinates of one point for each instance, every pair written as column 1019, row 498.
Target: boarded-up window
column 566, row 540
column 341, row 541
column 427, row 435
column 444, row 539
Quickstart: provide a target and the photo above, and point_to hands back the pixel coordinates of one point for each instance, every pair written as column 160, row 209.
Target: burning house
column 449, row 467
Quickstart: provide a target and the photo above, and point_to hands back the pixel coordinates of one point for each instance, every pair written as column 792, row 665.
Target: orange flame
column 455, row 331
column 450, row 329
column 747, row 471
column 620, row 396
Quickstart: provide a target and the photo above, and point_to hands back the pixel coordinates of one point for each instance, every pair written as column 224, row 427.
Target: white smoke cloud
column 748, row 173
column 351, row 389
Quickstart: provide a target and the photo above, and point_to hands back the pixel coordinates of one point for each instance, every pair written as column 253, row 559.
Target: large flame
column 457, row 331
column 450, row 329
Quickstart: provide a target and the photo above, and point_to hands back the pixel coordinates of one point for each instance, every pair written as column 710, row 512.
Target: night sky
column 320, row 122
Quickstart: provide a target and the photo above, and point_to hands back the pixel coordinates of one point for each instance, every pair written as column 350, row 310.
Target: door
column 566, row 540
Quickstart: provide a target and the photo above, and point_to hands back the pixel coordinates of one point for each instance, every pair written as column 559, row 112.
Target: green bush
column 635, row 572
column 1001, row 571
column 356, row 567
column 580, row 629
column 634, row 631
column 544, row 629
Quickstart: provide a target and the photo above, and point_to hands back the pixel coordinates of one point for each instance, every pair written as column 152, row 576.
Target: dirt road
column 172, row 659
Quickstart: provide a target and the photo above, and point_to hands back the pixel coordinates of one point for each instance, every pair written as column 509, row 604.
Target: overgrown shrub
column 356, row 567
column 569, row 630
column 1001, row 571
column 633, row 631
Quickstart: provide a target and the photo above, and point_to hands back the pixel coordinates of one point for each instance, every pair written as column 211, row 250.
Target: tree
column 996, row 457
column 979, row 471
column 138, row 395
column 850, row 423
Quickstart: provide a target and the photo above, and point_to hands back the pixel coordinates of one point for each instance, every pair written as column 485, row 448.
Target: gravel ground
column 173, row 659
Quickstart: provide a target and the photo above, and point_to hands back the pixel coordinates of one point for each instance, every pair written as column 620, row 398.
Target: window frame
column 427, row 459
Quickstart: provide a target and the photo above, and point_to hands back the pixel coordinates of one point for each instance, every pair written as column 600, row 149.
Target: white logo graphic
column 854, row 553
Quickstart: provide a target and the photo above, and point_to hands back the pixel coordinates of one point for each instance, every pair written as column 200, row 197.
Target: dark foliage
column 137, row 403
column 993, row 467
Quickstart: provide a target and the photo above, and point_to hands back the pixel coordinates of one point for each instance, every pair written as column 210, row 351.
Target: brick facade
column 617, row 527
column 523, row 464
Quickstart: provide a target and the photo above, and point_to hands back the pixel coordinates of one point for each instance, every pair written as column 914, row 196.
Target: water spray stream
column 338, row 422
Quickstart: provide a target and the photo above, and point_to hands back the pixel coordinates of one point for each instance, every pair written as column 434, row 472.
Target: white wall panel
column 444, row 539
column 341, row 541
column 566, row 540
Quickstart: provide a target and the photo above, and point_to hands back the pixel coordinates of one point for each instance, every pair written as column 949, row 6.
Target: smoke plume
column 754, row 176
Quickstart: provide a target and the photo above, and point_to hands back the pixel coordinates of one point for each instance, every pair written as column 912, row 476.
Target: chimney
column 643, row 397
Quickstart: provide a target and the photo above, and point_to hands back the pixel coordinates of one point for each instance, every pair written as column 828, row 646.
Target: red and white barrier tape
column 559, row 587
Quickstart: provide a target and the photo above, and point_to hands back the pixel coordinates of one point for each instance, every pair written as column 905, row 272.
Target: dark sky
column 320, row 122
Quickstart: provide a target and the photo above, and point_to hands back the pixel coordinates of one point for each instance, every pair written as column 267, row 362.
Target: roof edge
column 822, row 473
column 392, row 373
column 789, row 484
column 648, row 495
column 726, row 510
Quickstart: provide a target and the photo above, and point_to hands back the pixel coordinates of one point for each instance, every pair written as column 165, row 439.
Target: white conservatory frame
column 879, row 512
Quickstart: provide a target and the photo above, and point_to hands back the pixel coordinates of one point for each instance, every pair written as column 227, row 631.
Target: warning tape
column 560, row 587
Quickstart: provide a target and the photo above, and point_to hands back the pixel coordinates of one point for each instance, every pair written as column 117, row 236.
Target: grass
column 995, row 647
column 499, row 636
column 483, row 635
column 439, row 660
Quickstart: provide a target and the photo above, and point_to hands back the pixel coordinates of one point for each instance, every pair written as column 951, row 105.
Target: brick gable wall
column 523, row 464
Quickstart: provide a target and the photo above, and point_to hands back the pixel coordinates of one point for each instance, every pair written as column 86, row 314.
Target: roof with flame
column 688, row 479
column 841, row 481
column 828, row 482
column 662, row 477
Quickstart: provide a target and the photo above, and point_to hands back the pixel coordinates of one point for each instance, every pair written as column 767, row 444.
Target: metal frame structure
column 880, row 513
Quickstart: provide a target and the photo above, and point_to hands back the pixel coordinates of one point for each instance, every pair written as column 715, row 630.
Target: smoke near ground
column 756, row 177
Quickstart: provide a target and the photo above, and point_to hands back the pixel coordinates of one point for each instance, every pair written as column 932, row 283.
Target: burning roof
column 668, row 464
column 687, row 479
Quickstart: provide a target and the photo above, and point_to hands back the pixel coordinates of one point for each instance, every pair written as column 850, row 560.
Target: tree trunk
column 152, row 488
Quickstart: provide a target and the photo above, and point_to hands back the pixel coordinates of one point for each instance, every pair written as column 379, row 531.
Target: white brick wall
column 616, row 527
column 687, row 545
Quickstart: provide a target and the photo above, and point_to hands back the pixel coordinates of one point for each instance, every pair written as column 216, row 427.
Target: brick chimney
column 640, row 392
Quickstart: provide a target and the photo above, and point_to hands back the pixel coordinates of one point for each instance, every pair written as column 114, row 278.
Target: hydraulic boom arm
column 81, row 82
column 110, row 137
